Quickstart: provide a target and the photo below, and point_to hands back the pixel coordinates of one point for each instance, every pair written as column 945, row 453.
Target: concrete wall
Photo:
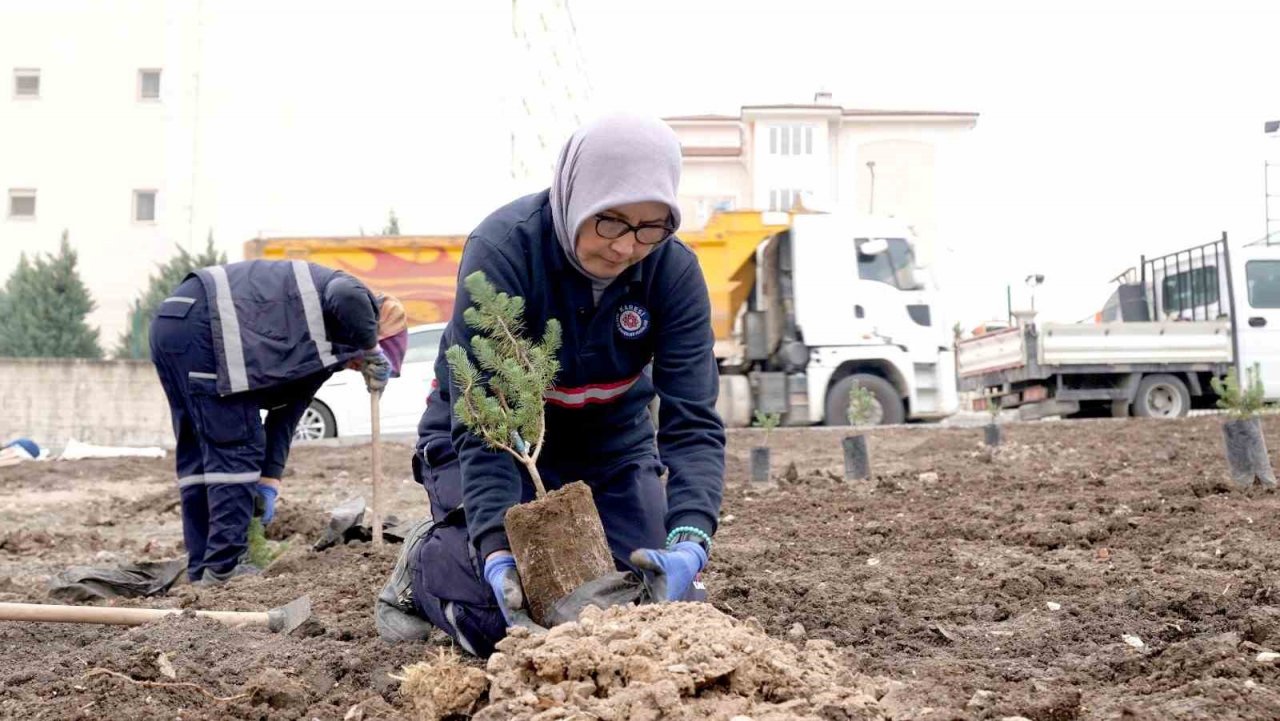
column 102, row 402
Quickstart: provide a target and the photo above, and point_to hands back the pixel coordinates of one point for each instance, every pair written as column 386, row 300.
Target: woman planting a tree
column 595, row 253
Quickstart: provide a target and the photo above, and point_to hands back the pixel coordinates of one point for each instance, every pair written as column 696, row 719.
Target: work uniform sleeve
column 349, row 306
column 691, row 435
column 282, row 421
column 491, row 480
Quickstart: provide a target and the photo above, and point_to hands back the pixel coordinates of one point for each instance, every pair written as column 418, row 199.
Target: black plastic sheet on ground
column 346, row 524
column 86, row 583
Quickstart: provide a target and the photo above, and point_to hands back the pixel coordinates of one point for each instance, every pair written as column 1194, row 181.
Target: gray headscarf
column 616, row 160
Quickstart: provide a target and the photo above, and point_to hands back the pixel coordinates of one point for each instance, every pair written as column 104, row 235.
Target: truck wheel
column 1161, row 396
column 889, row 409
column 316, row 423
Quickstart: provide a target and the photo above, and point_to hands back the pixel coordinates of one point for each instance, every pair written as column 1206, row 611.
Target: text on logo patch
column 633, row 320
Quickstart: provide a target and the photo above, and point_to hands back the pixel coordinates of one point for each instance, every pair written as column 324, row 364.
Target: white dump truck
column 832, row 301
column 1173, row 323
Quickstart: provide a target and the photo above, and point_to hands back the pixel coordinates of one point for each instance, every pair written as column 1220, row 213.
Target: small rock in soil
column 981, row 699
column 1268, row 657
column 928, row 477
column 797, row 632
column 276, row 690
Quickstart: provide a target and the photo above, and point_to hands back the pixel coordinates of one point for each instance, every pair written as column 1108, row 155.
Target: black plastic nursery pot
column 1247, row 452
column 857, row 461
column 760, row 464
column 993, row 434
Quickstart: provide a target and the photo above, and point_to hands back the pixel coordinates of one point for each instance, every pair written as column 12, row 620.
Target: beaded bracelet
column 671, row 537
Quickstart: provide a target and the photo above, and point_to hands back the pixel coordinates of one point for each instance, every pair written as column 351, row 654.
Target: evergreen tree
column 135, row 341
column 393, row 225
column 502, row 400
column 44, row 308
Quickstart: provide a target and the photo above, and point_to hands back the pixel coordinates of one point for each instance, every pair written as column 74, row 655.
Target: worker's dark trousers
column 448, row 581
column 220, row 440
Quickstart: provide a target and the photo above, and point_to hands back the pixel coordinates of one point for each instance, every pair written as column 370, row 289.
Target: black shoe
column 394, row 613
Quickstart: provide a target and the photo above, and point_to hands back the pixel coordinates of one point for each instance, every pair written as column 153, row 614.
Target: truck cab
column 839, row 301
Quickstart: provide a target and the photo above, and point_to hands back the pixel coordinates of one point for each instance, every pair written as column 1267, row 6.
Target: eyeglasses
column 611, row 228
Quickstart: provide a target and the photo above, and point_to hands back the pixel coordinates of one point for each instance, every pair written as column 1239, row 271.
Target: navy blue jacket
column 597, row 416
column 276, row 321
column 280, row 330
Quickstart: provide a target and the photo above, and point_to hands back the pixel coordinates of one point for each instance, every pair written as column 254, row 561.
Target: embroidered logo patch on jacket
column 633, row 320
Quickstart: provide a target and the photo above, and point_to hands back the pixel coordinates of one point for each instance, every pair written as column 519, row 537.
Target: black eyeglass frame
column 668, row 231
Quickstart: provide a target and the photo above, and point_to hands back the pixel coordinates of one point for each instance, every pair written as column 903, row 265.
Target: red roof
column 710, row 151
column 684, row 118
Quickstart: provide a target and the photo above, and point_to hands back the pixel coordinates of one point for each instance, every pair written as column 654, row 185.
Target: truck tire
column 837, row 408
column 1161, row 396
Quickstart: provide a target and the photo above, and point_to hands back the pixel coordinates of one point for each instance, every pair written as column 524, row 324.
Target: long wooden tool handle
column 375, row 417
column 118, row 616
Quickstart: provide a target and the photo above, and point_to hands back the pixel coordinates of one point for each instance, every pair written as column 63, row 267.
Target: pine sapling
column 1240, row 403
column 767, row 421
column 993, row 406
column 500, row 395
column 261, row 551
column 862, row 406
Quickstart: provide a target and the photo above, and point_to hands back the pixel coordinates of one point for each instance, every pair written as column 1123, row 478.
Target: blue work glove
column 669, row 574
column 376, row 369
column 266, row 502
column 500, row 571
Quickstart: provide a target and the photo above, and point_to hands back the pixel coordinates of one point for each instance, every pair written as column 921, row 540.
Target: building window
column 148, row 84
column 144, row 206
column 22, row 204
column 26, row 83
column 795, row 140
column 783, row 199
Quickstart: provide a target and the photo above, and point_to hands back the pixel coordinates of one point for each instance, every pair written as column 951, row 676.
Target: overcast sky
column 1104, row 132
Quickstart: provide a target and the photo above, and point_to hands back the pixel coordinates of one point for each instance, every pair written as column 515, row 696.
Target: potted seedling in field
column 557, row 539
column 1246, row 447
column 992, row 429
column 760, row 454
column 857, row 460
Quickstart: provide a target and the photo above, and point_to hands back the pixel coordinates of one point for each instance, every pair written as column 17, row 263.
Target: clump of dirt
column 668, row 661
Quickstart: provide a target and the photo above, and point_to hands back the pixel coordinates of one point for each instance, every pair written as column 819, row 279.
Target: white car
column 341, row 406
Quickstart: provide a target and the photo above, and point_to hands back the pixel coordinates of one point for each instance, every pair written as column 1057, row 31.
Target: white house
column 822, row 155
column 142, row 125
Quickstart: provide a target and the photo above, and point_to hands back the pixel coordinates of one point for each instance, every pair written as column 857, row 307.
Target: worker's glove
column 265, row 502
column 500, row 571
column 376, row 369
column 669, row 574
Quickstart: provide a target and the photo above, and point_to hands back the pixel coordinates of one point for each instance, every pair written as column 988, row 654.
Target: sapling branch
column 1239, row 401
column 862, row 405
column 500, row 394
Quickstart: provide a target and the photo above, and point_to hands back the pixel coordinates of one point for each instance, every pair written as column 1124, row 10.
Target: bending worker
column 259, row 335
column 597, row 252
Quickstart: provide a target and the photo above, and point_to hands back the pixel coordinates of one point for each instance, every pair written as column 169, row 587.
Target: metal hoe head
column 289, row 616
